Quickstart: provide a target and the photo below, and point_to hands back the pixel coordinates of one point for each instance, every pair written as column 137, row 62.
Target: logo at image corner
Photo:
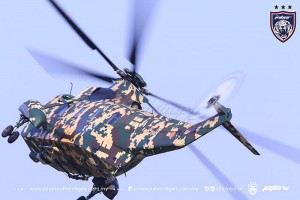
column 283, row 22
column 252, row 188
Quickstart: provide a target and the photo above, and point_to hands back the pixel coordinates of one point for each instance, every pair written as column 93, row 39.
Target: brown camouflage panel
column 128, row 93
column 108, row 137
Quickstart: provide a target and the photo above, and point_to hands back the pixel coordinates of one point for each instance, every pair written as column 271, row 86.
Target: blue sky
column 190, row 47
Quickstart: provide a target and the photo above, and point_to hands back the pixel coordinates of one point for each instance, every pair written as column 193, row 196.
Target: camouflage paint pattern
column 34, row 112
column 107, row 137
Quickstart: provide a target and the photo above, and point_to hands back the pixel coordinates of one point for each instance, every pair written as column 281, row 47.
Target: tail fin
column 229, row 127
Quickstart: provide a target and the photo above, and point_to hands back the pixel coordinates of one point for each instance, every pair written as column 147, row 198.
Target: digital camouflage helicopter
column 103, row 132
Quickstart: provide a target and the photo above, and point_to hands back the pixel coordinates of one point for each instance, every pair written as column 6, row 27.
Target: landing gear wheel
column 81, row 198
column 7, row 131
column 13, row 137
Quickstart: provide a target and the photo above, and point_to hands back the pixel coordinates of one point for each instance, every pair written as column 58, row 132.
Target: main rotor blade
column 57, row 66
column 153, row 108
column 82, row 34
column 142, row 10
column 217, row 173
column 186, row 109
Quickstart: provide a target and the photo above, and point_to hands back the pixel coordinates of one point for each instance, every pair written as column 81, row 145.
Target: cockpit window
column 102, row 93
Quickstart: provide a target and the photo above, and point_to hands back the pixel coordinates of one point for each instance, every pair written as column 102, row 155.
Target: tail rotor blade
column 224, row 90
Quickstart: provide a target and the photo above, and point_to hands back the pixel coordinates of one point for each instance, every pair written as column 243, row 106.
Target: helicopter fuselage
column 97, row 133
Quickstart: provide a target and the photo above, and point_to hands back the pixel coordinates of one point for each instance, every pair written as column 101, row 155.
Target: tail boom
column 222, row 118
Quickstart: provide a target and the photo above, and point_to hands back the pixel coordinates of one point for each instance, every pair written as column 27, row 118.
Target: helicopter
column 103, row 132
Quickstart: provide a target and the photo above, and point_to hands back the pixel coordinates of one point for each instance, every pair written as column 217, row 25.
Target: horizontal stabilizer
column 228, row 126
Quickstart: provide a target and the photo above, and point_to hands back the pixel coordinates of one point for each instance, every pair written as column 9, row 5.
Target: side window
column 79, row 112
column 60, row 111
column 113, row 118
column 96, row 113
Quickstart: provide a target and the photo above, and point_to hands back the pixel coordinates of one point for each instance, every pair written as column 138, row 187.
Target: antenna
column 71, row 88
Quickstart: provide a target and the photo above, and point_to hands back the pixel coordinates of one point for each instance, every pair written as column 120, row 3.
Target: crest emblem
column 283, row 24
column 252, row 188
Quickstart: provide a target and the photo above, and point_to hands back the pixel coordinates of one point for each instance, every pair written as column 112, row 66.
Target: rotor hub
column 135, row 78
column 213, row 101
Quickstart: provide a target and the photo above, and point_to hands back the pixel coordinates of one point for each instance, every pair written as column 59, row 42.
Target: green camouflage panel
column 34, row 112
column 108, row 137
column 127, row 93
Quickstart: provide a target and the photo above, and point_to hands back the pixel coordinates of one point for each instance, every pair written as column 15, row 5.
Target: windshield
column 102, row 93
